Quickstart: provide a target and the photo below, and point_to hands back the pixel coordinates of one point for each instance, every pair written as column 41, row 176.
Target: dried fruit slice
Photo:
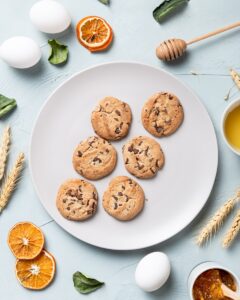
column 37, row 273
column 25, row 240
column 94, row 33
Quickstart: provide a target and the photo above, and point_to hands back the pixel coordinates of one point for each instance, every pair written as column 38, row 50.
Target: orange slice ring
column 25, row 240
column 37, row 273
column 94, row 33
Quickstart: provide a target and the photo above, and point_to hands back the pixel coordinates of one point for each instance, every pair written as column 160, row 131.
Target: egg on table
column 50, row 16
column 152, row 271
column 20, row 52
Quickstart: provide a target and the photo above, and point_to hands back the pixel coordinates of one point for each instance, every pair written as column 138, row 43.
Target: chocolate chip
column 120, row 194
column 170, row 97
column 126, row 162
column 146, row 151
column 79, row 154
column 158, row 165
column 140, row 143
column 140, row 167
column 71, row 193
column 130, row 148
column 123, row 187
column 107, row 150
column 116, row 119
column 152, row 170
column 158, row 128
column 64, row 200
column 96, row 159
column 114, row 197
column 117, row 130
column 115, row 205
column 135, row 151
column 118, row 112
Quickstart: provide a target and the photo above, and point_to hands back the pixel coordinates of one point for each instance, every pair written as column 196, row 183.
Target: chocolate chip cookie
column 123, row 199
column 162, row 114
column 77, row 200
column 111, row 119
column 94, row 158
column 143, row 157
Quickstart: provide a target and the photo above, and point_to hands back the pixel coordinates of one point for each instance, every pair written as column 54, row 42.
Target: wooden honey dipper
column 174, row 48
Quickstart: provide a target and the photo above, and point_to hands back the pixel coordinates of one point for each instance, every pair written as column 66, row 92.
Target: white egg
column 20, row 52
column 152, row 271
column 50, row 16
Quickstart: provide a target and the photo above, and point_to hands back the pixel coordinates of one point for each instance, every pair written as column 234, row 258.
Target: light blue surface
column 136, row 36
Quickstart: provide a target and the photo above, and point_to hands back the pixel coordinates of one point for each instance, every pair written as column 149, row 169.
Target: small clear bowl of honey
column 206, row 279
column 231, row 126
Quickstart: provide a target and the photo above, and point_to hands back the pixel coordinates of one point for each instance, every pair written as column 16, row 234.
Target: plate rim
column 119, row 62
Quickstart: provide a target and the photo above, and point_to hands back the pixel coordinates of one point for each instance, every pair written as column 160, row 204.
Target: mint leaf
column 6, row 105
column 84, row 284
column 166, row 8
column 58, row 53
column 106, row 2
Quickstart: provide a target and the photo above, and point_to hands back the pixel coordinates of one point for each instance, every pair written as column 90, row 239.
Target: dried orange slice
column 37, row 273
column 94, row 33
column 25, row 240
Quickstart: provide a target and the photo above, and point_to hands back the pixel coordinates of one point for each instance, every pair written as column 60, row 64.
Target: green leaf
column 84, row 284
column 58, row 54
column 6, row 105
column 166, row 8
column 106, row 2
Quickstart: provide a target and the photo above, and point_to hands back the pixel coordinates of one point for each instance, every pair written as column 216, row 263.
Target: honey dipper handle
column 229, row 293
column 207, row 35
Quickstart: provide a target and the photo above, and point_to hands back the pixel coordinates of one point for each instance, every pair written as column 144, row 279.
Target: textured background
column 136, row 35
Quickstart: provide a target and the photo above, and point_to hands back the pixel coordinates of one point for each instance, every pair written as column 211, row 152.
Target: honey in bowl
column 232, row 128
column 208, row 285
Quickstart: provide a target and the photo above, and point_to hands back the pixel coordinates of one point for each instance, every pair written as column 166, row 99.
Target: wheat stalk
column 11, row 181
column 4, row 149
column 235, row 77
column 216, row 220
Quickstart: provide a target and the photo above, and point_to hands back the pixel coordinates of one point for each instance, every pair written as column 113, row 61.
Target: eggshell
column 20, row 52
column 50, row 16
column 152, row 271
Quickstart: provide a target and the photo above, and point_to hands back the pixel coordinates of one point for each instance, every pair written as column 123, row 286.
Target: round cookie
column 94, row 158
column 77, row 200
column 162, row 114
column 124, row 198
column 111, row 119
column 143, row 157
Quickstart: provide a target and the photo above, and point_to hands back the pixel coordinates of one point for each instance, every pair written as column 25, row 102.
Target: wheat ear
column 4, row 149
column 216, row 221
column 232, row 232
column 11, row 181
column 235, row 77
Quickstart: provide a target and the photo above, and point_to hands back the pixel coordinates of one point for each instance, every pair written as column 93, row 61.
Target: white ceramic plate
column 174, row 197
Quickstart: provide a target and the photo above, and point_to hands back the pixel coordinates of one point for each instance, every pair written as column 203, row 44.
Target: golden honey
column 208, row 285
column 232, row 128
